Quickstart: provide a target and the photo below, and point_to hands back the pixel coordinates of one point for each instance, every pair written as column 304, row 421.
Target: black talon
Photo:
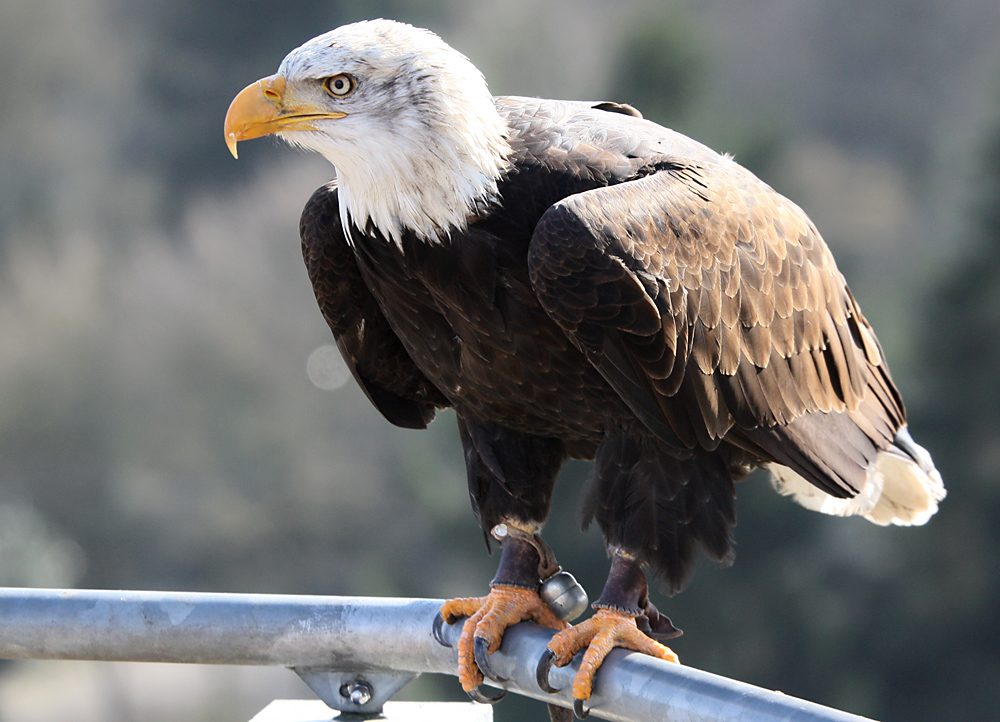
column 437, row 630
column 578, row 709
column 477, row 695
column 542, row 671
column 480, row 650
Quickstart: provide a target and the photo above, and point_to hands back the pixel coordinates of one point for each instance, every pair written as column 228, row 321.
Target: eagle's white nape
column 423, row 146
column 902, row 488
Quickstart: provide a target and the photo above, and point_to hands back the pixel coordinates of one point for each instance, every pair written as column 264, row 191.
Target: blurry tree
column 961, row 332
column 661, row 67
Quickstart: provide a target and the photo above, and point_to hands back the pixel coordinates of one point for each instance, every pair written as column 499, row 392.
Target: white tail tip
column 903, row 487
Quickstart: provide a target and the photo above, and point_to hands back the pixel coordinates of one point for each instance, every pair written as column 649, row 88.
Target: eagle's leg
column 511, row 475
column 625, row 618
column 513, row 598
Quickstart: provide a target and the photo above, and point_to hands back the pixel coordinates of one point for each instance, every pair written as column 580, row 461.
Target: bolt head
column 360, row 692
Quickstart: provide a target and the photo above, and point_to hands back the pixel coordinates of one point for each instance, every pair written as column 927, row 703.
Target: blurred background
column 171, row 415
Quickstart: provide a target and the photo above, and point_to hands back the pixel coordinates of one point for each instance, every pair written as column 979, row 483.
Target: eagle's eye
column 339, row 85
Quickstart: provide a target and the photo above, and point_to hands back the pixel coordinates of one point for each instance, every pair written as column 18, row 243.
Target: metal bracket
column 362, row 693
column 313, row 710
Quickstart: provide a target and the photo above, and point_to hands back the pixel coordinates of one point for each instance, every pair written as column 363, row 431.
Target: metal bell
column 565, row 596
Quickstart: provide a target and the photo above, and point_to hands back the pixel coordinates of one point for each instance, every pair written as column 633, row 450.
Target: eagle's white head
column 407, row 120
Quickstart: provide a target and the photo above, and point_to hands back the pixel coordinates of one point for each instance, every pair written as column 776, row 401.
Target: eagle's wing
column 372, row 351
column 711, row 304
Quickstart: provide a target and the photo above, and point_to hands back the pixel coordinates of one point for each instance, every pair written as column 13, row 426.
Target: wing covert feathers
column 728, row 317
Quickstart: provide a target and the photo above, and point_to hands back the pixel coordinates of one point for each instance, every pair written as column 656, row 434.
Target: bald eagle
column 578, row 282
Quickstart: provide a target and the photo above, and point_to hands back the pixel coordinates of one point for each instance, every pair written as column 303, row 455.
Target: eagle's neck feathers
column 422, row 145
column 431, row 182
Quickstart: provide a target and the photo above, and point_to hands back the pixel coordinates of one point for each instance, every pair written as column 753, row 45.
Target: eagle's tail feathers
column 902, row 487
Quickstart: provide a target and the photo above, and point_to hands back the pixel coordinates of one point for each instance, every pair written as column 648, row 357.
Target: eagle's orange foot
column 600, row 634
column 487, row 619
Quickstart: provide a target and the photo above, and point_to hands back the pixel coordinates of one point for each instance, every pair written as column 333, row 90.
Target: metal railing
column 356, row 652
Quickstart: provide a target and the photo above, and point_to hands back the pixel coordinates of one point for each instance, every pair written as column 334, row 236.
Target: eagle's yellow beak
column 267, row 107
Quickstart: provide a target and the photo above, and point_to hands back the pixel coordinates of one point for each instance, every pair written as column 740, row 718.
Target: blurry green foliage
column 659, row 66
column 158, row 428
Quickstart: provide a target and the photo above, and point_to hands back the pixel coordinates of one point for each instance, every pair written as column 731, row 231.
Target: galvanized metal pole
column 360, row 646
